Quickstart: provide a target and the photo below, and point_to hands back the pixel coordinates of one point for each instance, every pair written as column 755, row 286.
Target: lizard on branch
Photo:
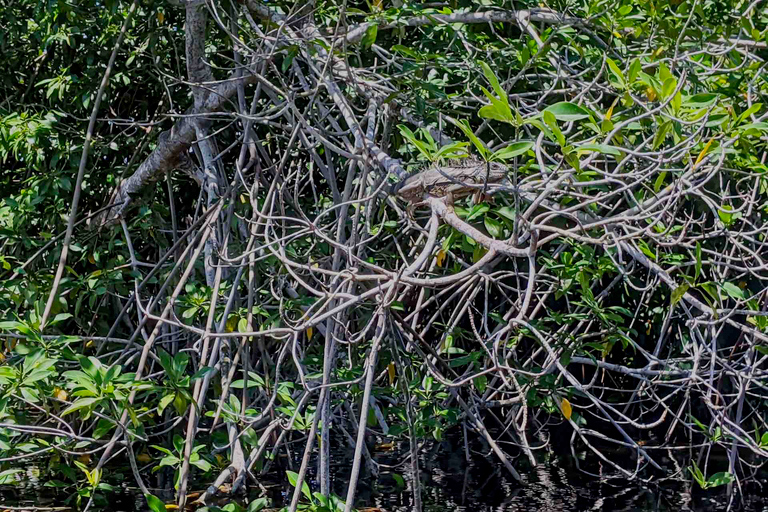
column 439, row 185
column 456, row 178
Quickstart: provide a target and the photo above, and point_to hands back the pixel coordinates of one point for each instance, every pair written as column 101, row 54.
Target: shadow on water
column 450, row 484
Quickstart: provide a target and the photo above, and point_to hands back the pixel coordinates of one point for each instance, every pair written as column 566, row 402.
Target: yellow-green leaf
column 698, row 261
column 704, row 152
column 565, row 406
column 440, row 257
column 678, row 293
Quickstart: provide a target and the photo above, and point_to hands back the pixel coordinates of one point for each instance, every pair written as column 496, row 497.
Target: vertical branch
column 370, row 369
column 81, row 168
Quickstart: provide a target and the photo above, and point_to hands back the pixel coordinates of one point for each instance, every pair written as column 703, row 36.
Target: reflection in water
column 451, row 484
column 554, row 485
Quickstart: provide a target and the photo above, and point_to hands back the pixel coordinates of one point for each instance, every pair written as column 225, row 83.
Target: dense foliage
column 241, row 277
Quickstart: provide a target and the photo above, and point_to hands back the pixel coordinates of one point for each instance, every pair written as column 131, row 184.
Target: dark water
column 452, row 484
column 556, row 484
column 551, row 486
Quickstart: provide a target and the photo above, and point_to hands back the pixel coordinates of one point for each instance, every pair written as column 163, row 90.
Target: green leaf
column 697, row 270
column 678, row 293
column 160, row 448
column 491, row 77
column 6, row 477
column 616, row 71
column 506, row 212
column 700, row 100
column 719, row 479
column 370, row 36
column 80, row 404
column 551, row 121
column 759, row 126
column 404, row 50
column 454, row 150
column 650, row 81
column 180, row 362
column 180, row 400
column 36, row 375
column 751, row 110
column 166, row 361
column 178, row 442
column 202, row 372
column 102, row 428
column 481, row 383
column 511, row 151
column 30, row 393
column 113, row 373
column 719, row 119
column 169, row 460
column 541, row 126
column 155, row 503
column 733, row 291
column 257, row 505
column 499, row 108
column 669, row 86
column 646, row 249
column 477, row 211
column 479, row 145
column 497, row 111
column 600, row 148
column 293, row 478
column 661, row 134
column 202, row 464
column 494, row 227
column 411, row 137
column 165, row 402
column 727, row 215
column 10, row 325
column 60, row 318
column 701, row 426
column 573, row 160
column 698, row 475
column 567, row 111
column 321, row 499
column 288, row 59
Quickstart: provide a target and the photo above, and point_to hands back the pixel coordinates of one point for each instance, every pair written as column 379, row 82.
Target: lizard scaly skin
column 457, row 178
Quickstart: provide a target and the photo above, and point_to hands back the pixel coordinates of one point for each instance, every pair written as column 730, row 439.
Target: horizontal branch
column 446, row 213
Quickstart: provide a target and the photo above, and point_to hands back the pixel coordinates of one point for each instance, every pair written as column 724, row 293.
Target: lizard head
column 498, row 167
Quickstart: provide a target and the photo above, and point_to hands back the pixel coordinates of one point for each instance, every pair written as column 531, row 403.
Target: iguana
column 457, row 178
